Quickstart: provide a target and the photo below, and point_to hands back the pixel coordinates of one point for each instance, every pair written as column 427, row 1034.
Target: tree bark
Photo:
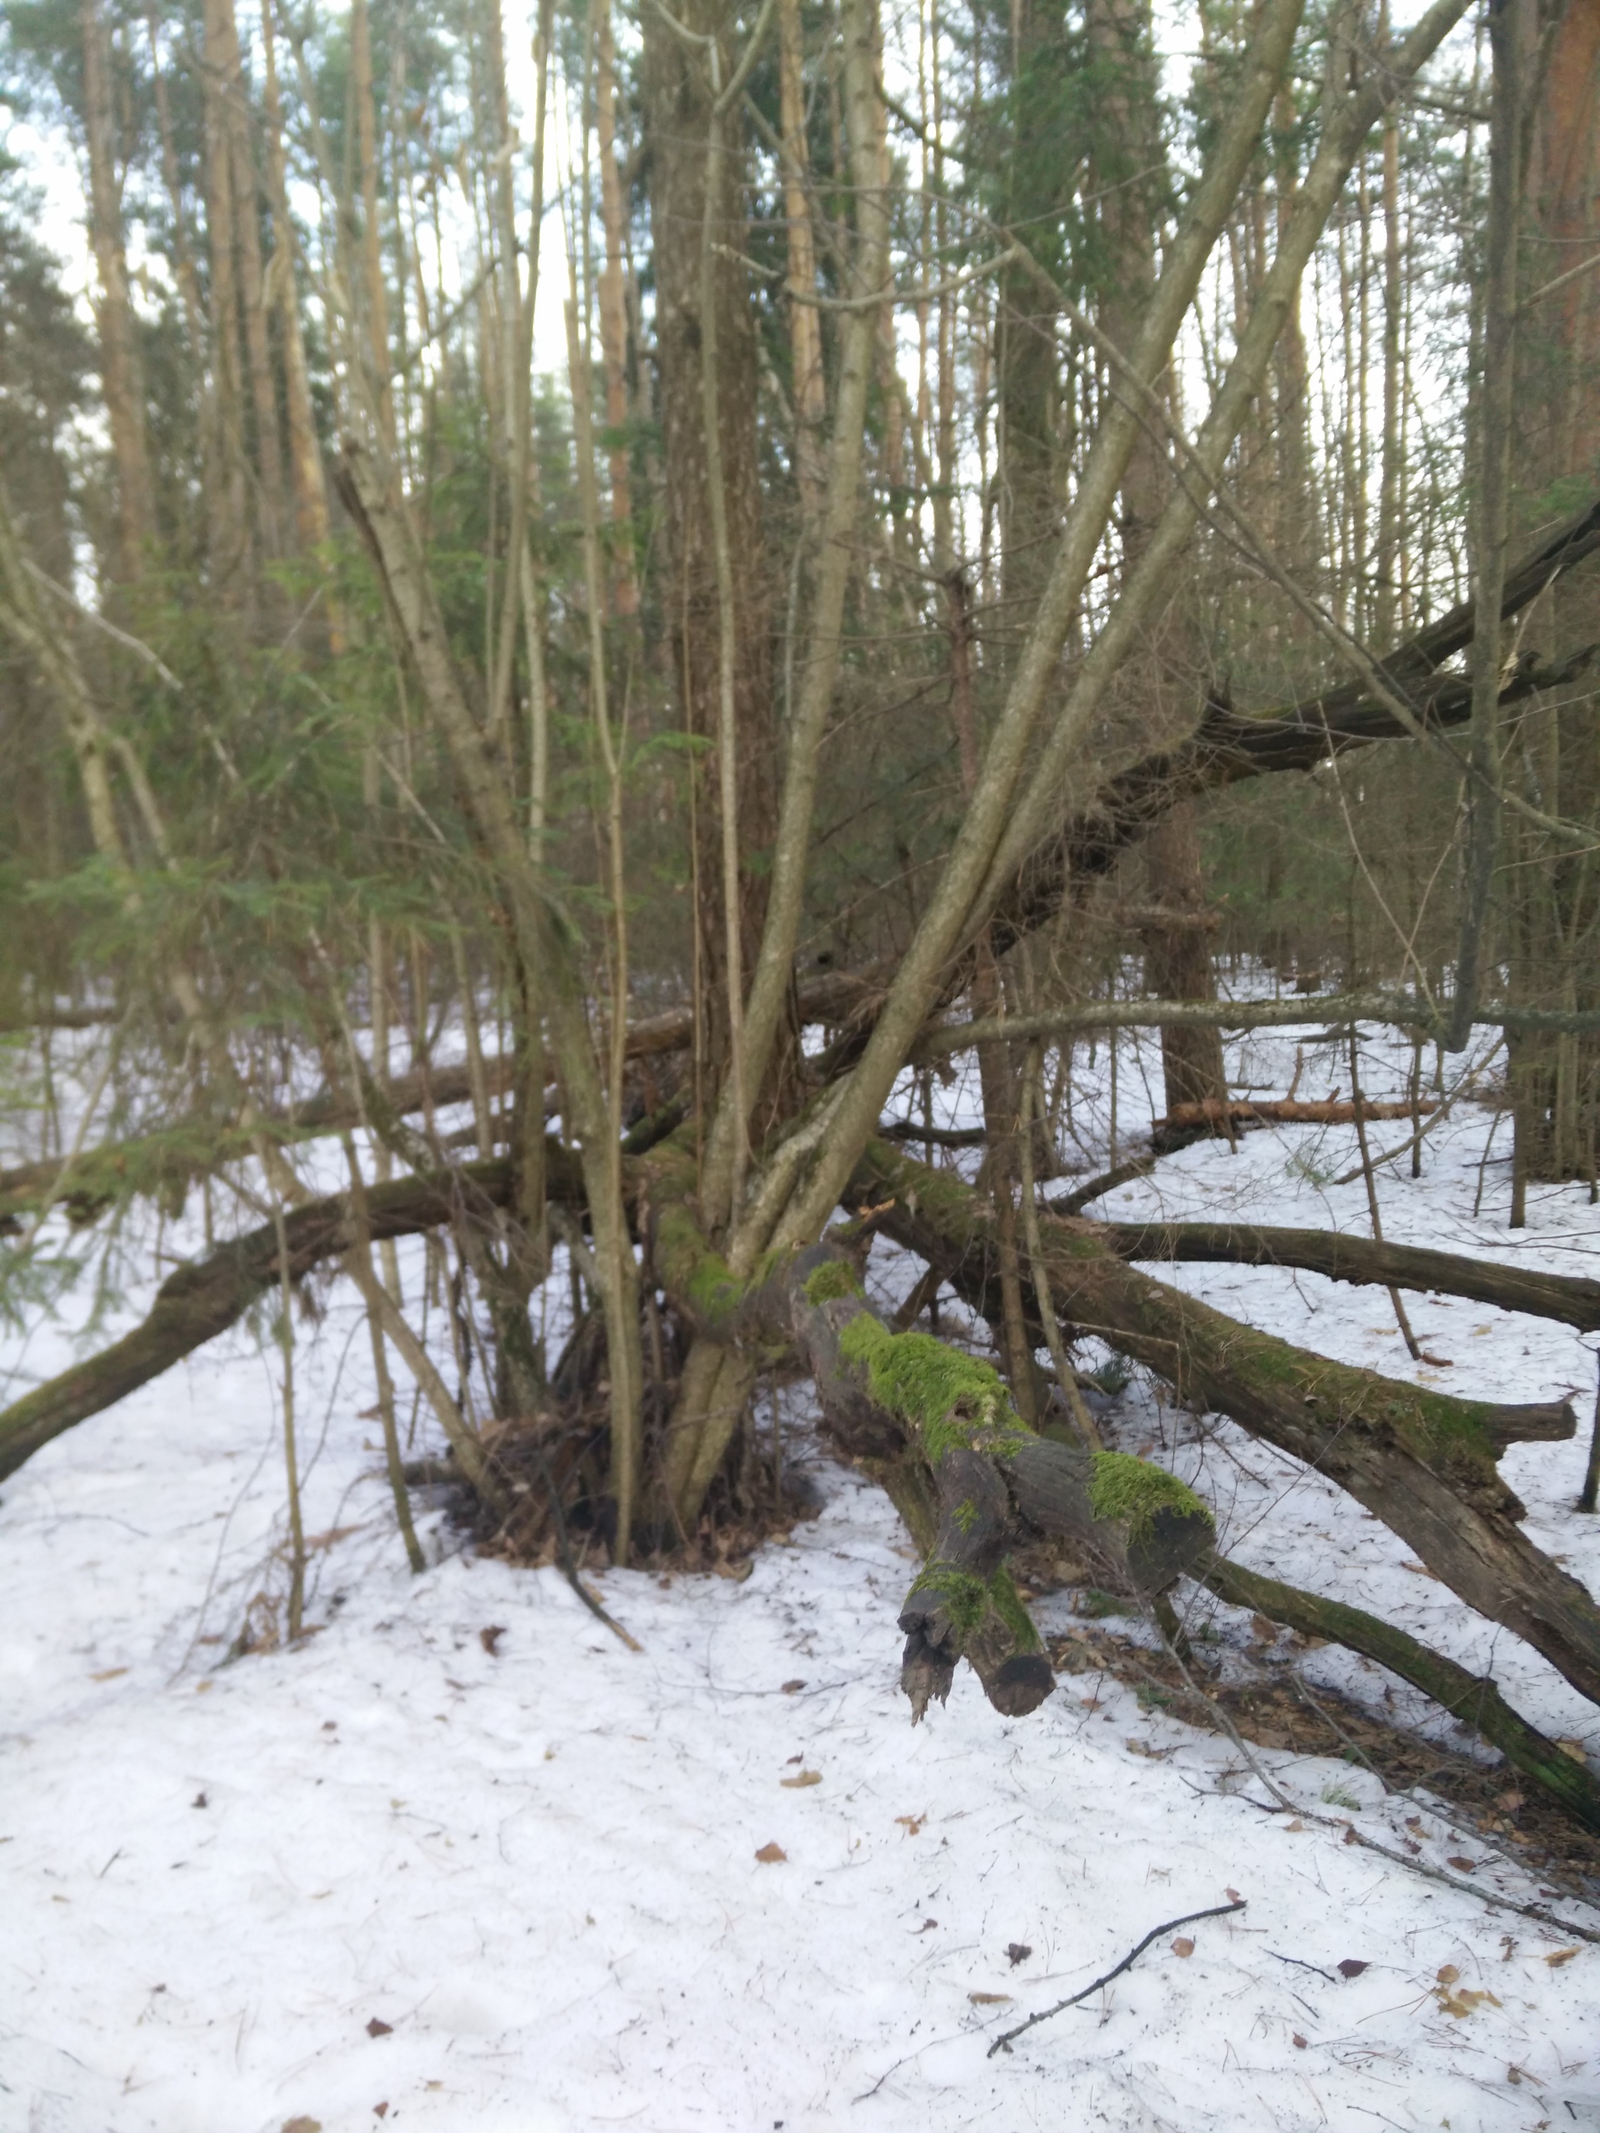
column 121, row 371
column 1467, row 1696
column 1421, row 1460
column 307, row 480
column 1570, row 1298
column 678, row 104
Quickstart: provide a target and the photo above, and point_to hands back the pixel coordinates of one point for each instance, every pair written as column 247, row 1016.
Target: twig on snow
column 1219, row 1910
column 1536, row 1911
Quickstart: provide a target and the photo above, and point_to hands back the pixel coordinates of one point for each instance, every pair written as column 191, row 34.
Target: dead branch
column 1464, row 1695
column 1217, row 1910
column 1571, row 1298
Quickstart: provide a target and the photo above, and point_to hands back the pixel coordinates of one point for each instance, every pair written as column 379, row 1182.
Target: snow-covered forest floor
column 460, row 1859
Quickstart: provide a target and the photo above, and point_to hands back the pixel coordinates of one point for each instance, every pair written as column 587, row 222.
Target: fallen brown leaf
column 1183, row 1945
column 490, row 1638
column 771, row 1854
column 990, row 1999
column 1352, row 1966
column 375, row 2028
column 1018, row 1952
column 1447, row 1973
column 115, row 1673
column 1462, row 1865
column 302, row 2125
column 801, row 1780
column 910, row 1823
column 1562, row 1955
column 1299, row 2042
column 793, row 1688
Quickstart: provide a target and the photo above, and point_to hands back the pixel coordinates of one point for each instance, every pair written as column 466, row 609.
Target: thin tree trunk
column 229, row 546
column 613, row 315
column 805, row 325
column 305, row 452
column 121, row 371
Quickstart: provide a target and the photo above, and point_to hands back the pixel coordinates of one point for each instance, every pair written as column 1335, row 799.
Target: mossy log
column 937, row 1428
column 1422, row 1461
column 888, row 1397
column 1471, row 1697
column 1571, row 1298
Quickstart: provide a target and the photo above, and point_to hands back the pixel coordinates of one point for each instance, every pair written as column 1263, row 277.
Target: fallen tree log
column 206, row 1297
column 1467, row 1696
column 1400, row 1010
column 1421, row 1460
column 170, row 1158
column 1285, row 1111
column 938, row 1430
column 1571, row 1298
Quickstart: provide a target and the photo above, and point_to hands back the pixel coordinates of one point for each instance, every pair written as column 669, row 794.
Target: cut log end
column 1543, row 1422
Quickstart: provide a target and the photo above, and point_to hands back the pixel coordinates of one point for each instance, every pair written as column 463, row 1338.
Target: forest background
column 1014, row 480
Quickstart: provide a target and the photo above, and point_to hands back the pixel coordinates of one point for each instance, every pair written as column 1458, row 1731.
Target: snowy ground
column 394, row 1875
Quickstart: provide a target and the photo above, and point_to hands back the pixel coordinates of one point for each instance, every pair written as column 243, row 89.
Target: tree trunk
column 613, row 317
column 305, row 451
column 121, row 371
column 1177, row 959
column 228, row 536
column 805, row 325
column 1554, row 901
column 678, row 105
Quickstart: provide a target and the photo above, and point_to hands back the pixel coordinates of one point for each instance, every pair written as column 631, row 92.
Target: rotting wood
column 886, row 1397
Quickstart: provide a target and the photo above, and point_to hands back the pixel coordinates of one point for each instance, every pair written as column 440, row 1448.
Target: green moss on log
column 831, row 1281
column 1133, row 1490
column 951, row 1400
column 698, row 1274
column 1006, row 1601
column 962, row 1596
